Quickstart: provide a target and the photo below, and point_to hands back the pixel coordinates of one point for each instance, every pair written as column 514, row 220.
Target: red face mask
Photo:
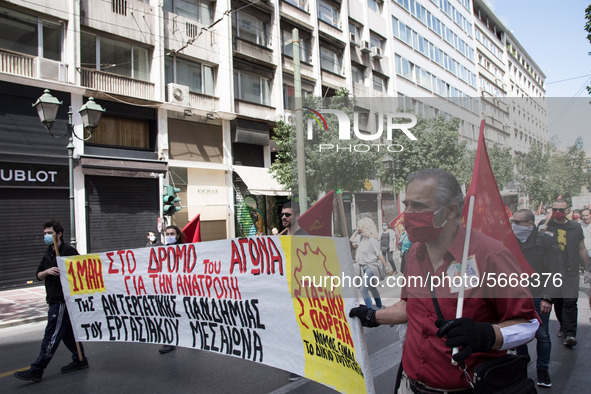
column 419, row 226
column 558, row 215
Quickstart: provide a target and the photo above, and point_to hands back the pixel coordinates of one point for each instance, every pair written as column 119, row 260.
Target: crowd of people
column 491, row 324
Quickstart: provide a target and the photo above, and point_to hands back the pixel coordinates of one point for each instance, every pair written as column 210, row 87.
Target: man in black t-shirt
column 58, row 326
column 568, row 236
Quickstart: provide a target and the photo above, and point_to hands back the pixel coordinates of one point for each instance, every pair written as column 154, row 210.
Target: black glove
column 470, row 336
column 365, row 314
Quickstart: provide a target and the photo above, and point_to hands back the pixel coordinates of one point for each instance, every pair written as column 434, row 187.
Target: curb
column 18, row 322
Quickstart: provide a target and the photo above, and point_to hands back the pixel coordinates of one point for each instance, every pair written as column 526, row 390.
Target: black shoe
column 166, row 349
column 294, row 377
column 75, row 366
column 544, row 378
column 570, row 341
column 29, row 375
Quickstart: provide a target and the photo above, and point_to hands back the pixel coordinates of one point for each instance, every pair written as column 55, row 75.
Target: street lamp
column 91, row 112
column 393, row 165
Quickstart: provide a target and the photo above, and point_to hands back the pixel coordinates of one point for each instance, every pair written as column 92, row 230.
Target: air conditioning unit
column 353, row 39
column 51, row 69
column 365, row 47
column 177, row 94
column 376, row 53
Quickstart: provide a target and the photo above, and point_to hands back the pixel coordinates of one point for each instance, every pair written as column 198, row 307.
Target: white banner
column 242, row 297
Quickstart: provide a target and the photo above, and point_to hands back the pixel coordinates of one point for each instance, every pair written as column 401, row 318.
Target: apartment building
column 192, row 90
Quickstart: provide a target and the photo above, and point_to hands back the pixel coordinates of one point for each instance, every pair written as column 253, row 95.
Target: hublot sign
column 33, row 175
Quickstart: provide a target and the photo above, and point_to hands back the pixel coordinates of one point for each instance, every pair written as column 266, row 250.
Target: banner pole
column 57, row 253
column 460, row 307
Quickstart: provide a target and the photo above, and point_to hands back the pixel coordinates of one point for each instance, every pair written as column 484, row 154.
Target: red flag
column 398, row 226
column 192, row 231
column 317, row 220
column 539, row 211
column 488, row 216
column 508, row 211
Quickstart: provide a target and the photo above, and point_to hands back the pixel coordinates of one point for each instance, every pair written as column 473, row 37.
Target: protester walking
column 173, row 236
column 58, row 327
column 489, row 326
column 370, row 261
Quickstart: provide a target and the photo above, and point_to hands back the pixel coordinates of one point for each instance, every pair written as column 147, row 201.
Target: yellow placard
column 85, row 274
column 320, row 313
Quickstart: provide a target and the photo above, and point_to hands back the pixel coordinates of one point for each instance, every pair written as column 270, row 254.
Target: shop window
column 198, row 77
column 121, row 133
column 114, row 56
column 19, row 33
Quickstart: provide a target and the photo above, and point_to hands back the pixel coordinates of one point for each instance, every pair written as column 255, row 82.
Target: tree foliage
column 548, row 172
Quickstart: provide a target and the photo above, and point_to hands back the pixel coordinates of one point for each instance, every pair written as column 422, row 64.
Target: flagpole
column 460, row 307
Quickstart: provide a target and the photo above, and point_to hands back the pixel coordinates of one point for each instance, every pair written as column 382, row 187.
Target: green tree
column 438, row 145
column 567, row 171
column 329, row 169
column 532, row 172
column 501, row 162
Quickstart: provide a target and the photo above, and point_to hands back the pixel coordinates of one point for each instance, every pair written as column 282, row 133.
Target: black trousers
column 58, row 329
column 566, row 308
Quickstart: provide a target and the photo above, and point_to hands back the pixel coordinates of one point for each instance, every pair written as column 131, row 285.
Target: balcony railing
column 117, row 84
column 18, row 63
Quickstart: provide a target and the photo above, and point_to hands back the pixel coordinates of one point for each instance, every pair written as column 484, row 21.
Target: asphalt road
column 139, row 368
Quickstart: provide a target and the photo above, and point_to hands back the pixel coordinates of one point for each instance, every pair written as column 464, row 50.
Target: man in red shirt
column 494, row 318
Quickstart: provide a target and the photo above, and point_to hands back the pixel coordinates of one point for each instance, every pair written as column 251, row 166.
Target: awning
column 259, row 181
column 122, row 167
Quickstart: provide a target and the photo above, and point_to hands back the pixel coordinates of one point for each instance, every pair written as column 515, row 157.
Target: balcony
column 252, row 52
column 254, row 110
column 202, row 101
column 116, row 84
column 306, row 69
column 18, row 64
column 297, row 14
column 32, row 66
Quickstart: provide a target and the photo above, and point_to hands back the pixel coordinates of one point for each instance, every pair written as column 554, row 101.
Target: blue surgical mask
column 170, row 239
column 48, row 238
column 522, row 232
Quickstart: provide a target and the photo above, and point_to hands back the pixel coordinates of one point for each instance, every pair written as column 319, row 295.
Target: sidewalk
column 22, row 306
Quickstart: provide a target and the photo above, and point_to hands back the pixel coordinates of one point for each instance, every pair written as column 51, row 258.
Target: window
column 305, row 46
column 251, row 28
column 376, row 42
column 197, row 10
column 116, row 56
column 301, row 4
column 358, row 74
column 252, row 88
column 121, row 132
column 20, row 33
column 379, row 83
column 375, row 5
column 330, row 61
column 356, row 31
column 328, row 13
column 198, row 77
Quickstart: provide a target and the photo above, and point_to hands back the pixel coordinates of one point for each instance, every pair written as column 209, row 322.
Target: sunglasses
column 558, row 209
column 285, row 214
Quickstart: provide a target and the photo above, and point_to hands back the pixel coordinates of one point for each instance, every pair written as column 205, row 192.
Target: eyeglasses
column 285, row 214
column 558, row 209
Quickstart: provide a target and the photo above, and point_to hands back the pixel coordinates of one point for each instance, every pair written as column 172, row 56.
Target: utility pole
column 300, row 155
